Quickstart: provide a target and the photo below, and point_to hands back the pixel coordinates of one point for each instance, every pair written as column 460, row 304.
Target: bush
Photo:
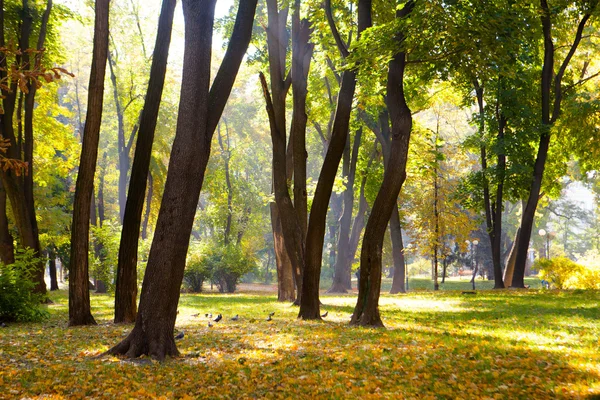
column 195, row 273
column 560, row 271
column 18, row 303
column 226, row 264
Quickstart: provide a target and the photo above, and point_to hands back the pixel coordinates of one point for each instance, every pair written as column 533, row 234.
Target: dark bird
column 324, row 315
column 269, row 318
column 179, row 335
column 206, row 315
column 271, row 314
column 209, row 324
column 235, row 318
column 219, row 317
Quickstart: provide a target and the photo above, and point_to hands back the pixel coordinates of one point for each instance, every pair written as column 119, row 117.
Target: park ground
column 526, row 344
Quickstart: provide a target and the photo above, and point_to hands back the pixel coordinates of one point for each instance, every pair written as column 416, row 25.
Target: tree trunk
column 399, row 278
column 309, row 306
column 123, row 150
column 510, row 263
column 52, row 268
column 79, row 295
column 341, row 275
column 199, row 112
column 285, row 277
column 126, row 285
column 7, row 247
column 148, row 202
column 366, row 312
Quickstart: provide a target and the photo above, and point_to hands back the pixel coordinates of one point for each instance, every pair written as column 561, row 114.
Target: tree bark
column 199, row 112
column 310, row 304
column 7, row 247
column 550, row 113
column 126, row 285
column 366, row 312
column 79, row 295
column 509, row 270
column 285, row 277
column 52, row 268
column 399, row 277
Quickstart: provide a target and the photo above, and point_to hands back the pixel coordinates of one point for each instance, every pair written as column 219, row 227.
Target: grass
column 443, row 345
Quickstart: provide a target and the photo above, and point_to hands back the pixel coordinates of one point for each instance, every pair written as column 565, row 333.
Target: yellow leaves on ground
column 496, row 345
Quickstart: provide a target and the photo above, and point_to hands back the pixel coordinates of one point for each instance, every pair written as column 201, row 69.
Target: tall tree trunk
column 366, row 312
column 509, row 269
column 200, row 109
column 79, row 295
column 309, row 306
column 292, row 230
column 285, row 278
column 550, row 113
column 7, row 247
column 149, row 195
column 126, row 286
column 399, row 278
column 225, row 155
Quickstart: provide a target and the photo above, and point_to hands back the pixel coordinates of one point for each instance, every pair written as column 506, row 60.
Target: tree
column 200, row 108
column 551, row 85
column 126, row 288
column 79, row 297
column 366, row 311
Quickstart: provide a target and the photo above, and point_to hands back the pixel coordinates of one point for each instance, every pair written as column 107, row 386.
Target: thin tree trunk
column 309, row 306
column 52, row 268
column 366, row 312
column 200, row 109
column 79, row 295
column 225, row 155
column 510, row 263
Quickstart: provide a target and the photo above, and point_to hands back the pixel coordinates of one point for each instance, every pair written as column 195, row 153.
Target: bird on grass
column 271, row 314
column 209, row 324
column 207, row 315
column 195, row 315
column 219, row 317
column 324, row 315
column 2, row 325
column 180, row 335
column 269, row 318
column 235, row 318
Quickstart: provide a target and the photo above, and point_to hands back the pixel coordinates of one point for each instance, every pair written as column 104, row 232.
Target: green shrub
column 104, row 252
column 17, row 300
column 560, row 271
column 226, row 264
column 195, row 273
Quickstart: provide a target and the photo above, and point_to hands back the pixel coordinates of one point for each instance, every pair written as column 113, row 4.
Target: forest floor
column 527, row 344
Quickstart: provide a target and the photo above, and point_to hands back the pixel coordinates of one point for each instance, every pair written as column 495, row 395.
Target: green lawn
column 495, row 344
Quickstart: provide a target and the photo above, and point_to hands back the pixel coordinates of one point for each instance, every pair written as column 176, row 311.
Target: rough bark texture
column 126, row 285
column 366, row 312
column 309, row 306
column 199, row 113
column 550, row 113
column 285, row 279
column 7, row 247
column 79, row 295
column 399, row 277
column 52, row 269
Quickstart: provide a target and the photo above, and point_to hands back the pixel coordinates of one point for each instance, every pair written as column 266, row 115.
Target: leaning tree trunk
column 79, row 294
column 199, row 112
column 509, row 269
column 309, row 306
column 126, row 287
column 366, row 312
